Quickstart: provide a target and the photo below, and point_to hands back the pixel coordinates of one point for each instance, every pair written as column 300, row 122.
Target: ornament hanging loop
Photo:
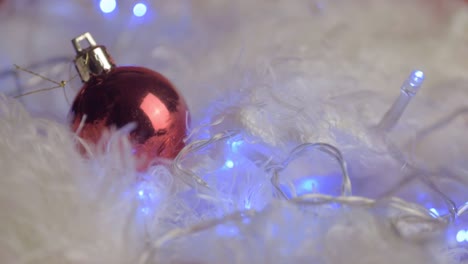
column 93, row 60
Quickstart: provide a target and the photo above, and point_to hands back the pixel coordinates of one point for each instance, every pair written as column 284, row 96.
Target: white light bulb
column 139, row 9
column 107, row 6
column 462, row 236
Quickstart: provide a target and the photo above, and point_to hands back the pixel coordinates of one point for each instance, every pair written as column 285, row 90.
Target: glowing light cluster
column 109, row 6
column 148, row 197
column 234, row 148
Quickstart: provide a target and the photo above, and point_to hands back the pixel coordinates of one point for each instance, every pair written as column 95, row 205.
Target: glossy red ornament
column 113, row 97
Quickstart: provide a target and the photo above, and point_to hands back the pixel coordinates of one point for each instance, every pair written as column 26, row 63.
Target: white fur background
column 283, row 72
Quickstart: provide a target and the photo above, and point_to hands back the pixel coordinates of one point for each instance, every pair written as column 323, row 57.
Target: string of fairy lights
column 109, row 6
column 308, row 190
column 147, row 196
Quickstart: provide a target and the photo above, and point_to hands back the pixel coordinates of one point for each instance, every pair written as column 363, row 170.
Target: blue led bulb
column 434, row 211
column 413, row 83
column 107, row 6
column 139, row 9
column 462, row 236
column 229, row 164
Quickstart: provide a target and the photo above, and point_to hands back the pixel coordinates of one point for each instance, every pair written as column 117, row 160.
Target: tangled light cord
column 409, row 216
column 407, row 210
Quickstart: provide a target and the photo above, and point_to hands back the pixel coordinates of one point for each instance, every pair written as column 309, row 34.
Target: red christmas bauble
column 115, row 97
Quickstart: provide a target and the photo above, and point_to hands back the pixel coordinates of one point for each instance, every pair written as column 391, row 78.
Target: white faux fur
column 282, row 72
